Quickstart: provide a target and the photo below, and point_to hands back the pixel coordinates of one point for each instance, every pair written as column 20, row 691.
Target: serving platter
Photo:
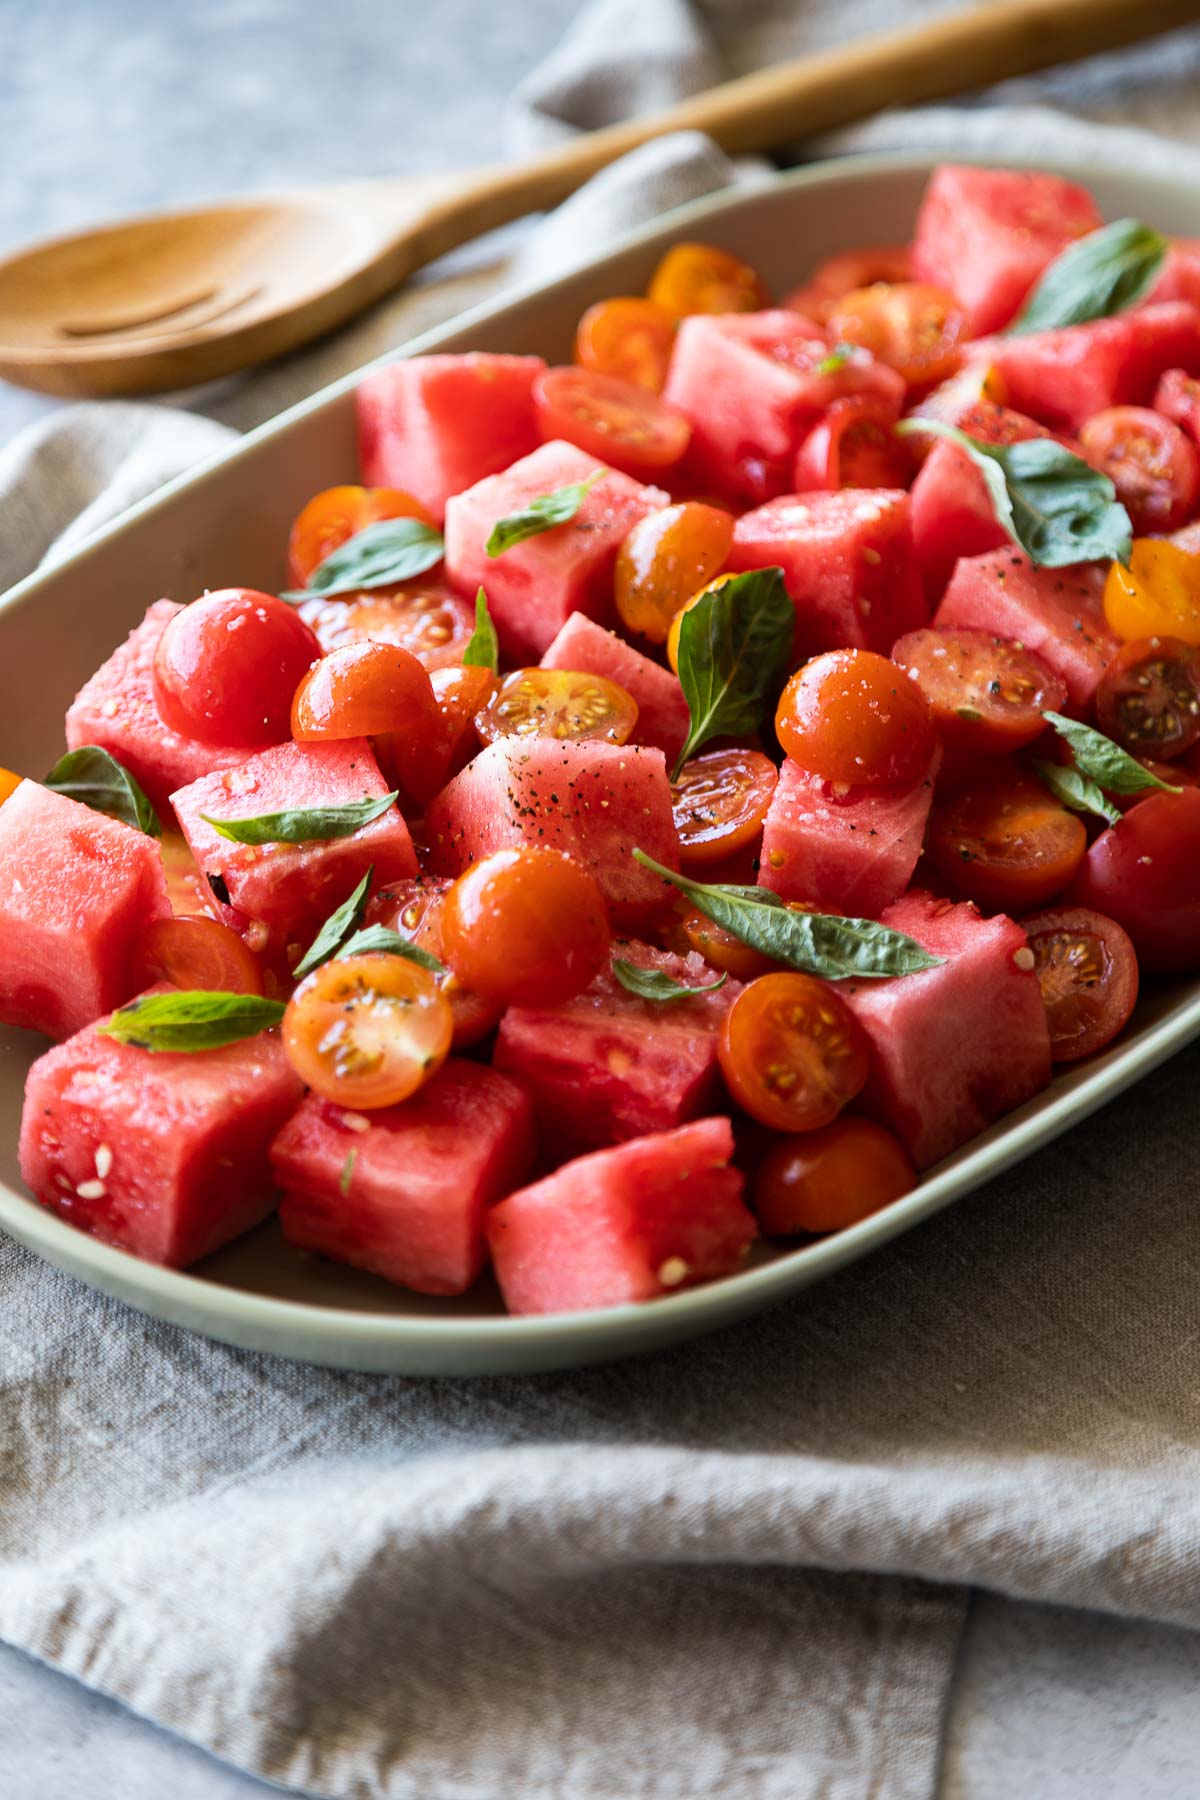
column 227, row 525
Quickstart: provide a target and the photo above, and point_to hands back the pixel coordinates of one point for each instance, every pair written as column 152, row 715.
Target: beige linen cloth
column 738, row 1569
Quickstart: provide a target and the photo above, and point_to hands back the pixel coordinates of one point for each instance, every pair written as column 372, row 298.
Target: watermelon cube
column 595, row 801
column 663, row 716
column 535, row 586
column 847, row 561
column 1179, row 277
column 1057, row 613
column 403, row 1192
column 607, row 1065
column 957, row 1045
column 626, row 1224
column 117, row 710
column 846, row 849
column 434, row 425
column 164, row 1155
column 985, row 235
column 77, row 889
column 292, row 888
column 952, row 511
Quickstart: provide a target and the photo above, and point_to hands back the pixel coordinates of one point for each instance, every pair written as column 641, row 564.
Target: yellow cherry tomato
column 673, row 634
column 9, row 783
column 1158, row 595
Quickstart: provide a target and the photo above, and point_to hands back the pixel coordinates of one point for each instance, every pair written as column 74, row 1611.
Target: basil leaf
column 96, row 779
column 390, row 550
column 336, row 929
column 1103, row 273
column 542, row 514
column 837, row 359
column 378, row 940
column 347, row 1174
column 483, row 649
column 1106, row 763
column 191, row 1021
column 655, row 984
column 1077, row 791
column 734, row 646
column 815, row 943
column 305, row 825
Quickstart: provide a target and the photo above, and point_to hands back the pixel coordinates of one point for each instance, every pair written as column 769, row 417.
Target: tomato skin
column 699, row 278
column 363, row 690
column 414, row 910
column 1150, row 461
column 367, row 1031
column 1149, row 697
column 630, row 338
column 525, row 926
column 720, row 800
column 667, row 558
column 1177, row 397
column 837, row 276
column 914, row 328
column 425, row 617
column 196, row 953
column 792, row 1053
column 622, row 425
column 425, row 761
column 226, row 668
column 339, row 513
column 852, row 445
column 1142, row 872
column 9, row 783
column 828, row 1179
column 567, row 704
column 1089, row 978
column 1157, row 595
column 1007, row 845
column 853, row 716
column 987, row 694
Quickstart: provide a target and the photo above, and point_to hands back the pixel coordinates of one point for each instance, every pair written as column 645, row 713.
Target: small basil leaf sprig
column 191, row 1021
column 390, row 551
column 1101, row 768
column 1054, row 506
column 483, row 646
column 838, row 357
column 1104, row 273
column 303, row 825
column 542, row 514
column 735, row 642
column 815, row 943
column 656, row 984
column 96, row 779
column 379, row 940
column 337, row 928
column 1076, row 791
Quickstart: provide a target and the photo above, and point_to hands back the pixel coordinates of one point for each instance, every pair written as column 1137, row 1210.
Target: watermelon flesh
column 631, row 1223
column 957, row 1045
column 434, row 425
column 404, row 1191
column 850, row 851
column 952, row 511
column 163, row 1155
column 77, row 890
column 663, row 716
column 1057, row 613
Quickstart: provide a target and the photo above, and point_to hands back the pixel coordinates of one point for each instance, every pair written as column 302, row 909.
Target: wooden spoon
column 170, row 299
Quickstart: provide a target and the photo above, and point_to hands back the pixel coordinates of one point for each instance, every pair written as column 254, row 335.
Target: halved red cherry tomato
column 699, row 278
column 363, row 690
column 526, row 926
column 414, row 909
column 720, row 800
column 827, row 1179
column 1177, row 397
column 621, row 425
column 987, row 693
column 9, row 783
column 792, row 1052
column 367, row 1031
column 1149, row 697
column 195, row 952
column 558, row 703
column 425, row 762
column 917, row 330
column 226, row 668
column 841, row 275
column 1142, row 873
column 667, row 557
column 428, row 619
column 854, row 716
column 1089, row 978
column 1157, row 594
column 338, row 513
column 853, row 445
column 1008, row 846
column 629, row 338
column 1150, row 461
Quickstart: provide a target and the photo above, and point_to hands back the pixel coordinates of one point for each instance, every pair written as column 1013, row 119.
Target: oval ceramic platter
column 227, row 525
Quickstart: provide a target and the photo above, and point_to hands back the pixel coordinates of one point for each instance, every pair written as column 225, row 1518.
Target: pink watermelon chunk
column 293, row 887
column 847, row 561
column 663, row 716
column 76, row 892
column 535, row 586
column 626, row 1224
column 403, row 1192
column 952, row 511
column 434, row 425
column 607, row 1065
column 116, row 709
column 956, row 1045
column 1057, row 613
column 852, row 851
column 166, row 1156
column 1179, row 277
column 595, row 801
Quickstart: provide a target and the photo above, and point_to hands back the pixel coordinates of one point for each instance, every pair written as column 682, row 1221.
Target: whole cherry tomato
column 1007, row 845
column 830, row 281
column 194, row 952
column 1142, row 873
column 699, row 278
column 558, row 703
column 339, row 513
column 828, row 1179
column 1152, row 464
column 917, row 330
column 363, row 690
column 1149, row 697
column 367, row 1031
column 720, row 800
column 227, row 666
column 853, row 716
column 427, row 618
column 525, row 926
column 629, row 338
column 792, row 1053
column 1088, row 973
column 987, row 693
column 667, row 557
column 622, row 425
column 1157, row 595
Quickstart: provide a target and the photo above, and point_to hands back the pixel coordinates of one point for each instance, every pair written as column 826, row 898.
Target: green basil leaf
column 336, row 929
column 347, row 1174
column 96, row 779
column 837, row 359
column 734, row 646
column 815, row 943
column 1103, row 273
column 305, row 825
column 542, row 514
column 192, row 1021
column 655, row 984
column 391, row 550
column 1077, row 791
column 1104, row 762
column 378, row 940
column 483, row 649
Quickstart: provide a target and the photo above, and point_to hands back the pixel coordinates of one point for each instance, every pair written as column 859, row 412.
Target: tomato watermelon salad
column 679, row 797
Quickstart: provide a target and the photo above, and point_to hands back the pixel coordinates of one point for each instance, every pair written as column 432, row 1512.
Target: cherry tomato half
column 792, row 1052
column 526, row 926
column 1157, row 595
column 667, row 557
column 629, row 338
column 363, row 690
column 720, row 800
column 917, row 330
column 338, row 513
column 1142, row 873
column 699, row 278
column 425, row 761
column 9, row 783
column 621, row 425
column 853, row 716
column 838, row 276
column 196, row 953
column 226, row 668
column 1150, row 461
column 367, row 1031
column 429, row 619
column 558, row 703
column 1007, row 845
column 414, row 909
column 1149, row 697
column 853, row 445
column 1088, row 973
column 825, row 1180
column 987, row 693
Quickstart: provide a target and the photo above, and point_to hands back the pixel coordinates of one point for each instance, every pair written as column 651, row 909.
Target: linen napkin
column 737, row 1568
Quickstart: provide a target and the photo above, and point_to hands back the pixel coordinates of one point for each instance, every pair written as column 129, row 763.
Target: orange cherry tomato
column 194, row 952
column 699, row 278
column 424, row 762
column 987, row 693
column 429, row 619
column 9, row 783
column 558, row 703
column 1088, row 972
column 917, row 330
column 622, row 425
column 831, row 280
column 367, row 1031
column 792, row 1052
column 853, row 445
column 666, row 558
column 827, row 1179
column 1152, row 464
column 853, row 716
column 338, row 513
column 526, row 926
column 1149, row 697
column 1158, row 595
column 673, row 633
column 720, row 800
column 363, row 690
column 414, row 909
column 721, row 948
column 1007, row 845
column 629, row 338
